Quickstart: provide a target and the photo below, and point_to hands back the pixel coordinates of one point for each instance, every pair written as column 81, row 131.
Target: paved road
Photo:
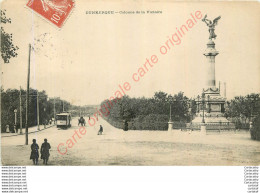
column 117, row 147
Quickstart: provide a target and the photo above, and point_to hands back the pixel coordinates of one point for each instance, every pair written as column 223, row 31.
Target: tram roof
column 63, row 113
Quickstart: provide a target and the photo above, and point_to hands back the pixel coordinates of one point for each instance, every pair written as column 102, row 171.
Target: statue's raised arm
column 206, row 20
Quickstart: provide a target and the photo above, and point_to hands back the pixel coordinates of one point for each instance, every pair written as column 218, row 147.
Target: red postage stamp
column 56, row 11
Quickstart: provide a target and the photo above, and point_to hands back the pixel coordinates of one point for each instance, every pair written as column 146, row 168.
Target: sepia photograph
column 132, row 83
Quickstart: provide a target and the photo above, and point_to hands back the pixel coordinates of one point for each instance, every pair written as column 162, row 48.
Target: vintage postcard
column 132, row 83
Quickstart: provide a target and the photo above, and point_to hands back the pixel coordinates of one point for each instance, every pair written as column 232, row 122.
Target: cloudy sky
column 86, row 60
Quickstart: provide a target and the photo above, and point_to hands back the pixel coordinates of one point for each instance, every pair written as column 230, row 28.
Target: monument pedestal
column 212, row 108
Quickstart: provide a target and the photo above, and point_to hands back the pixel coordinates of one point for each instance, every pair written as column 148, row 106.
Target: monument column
column 210, row 54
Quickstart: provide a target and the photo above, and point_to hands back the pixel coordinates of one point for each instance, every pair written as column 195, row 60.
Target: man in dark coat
column 34, row 152
column 45, row 154
column 82, row 121
column 126, row 126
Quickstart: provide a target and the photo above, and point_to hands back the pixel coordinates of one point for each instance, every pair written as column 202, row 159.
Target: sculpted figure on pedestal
column 211, row 25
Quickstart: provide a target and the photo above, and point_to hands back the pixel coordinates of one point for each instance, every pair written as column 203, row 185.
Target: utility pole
column 15, row 120
column 27, row 97
column 54, row 112
column 21, row 117
column 170, row 112
column 38, row 114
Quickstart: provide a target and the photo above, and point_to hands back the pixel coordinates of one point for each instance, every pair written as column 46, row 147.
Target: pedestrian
column 45, row 154
column 34, row 152
column 100, row 130
column 16, row 128
column 12, row 130
column 126, row 126
column 78, row 121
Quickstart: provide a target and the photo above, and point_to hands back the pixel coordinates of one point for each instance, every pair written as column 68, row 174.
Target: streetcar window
column 60, row 117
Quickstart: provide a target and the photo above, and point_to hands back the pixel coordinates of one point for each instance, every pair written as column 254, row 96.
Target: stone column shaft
column 210, row 54
column 210, row 77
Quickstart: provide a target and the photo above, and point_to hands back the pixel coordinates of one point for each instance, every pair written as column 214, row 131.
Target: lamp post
column 170, row 112
column 198, row 106
column 170, row 123
column 44, row 109
column 15, row 119
column 38, row 112
column 21, row 121
column 202, row 105
column 54, row 112
column 190, row 109
column 253, row 99
column 202, row 101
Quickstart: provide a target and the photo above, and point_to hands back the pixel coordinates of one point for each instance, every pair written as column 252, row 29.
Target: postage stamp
column 56, row 11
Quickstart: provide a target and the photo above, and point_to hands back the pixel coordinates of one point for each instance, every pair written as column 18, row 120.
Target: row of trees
column 243, row 108
column 10, row 100
column 128, row 108
column 136, row 111
column 153, row 110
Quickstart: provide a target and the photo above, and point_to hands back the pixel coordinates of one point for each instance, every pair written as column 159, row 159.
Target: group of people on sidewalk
column 13, row 129
column 45, row 150
column 45, row 154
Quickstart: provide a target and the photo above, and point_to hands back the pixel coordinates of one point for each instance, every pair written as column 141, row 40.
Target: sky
column 86, row 60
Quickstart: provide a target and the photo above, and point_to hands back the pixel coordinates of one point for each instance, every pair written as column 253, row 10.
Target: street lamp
column 15, row 119
column 209, row 109
column 190, row 109
column 44, row 109
column 202, row 105
column 170, row 112
column 198, row 106
column 170, row 123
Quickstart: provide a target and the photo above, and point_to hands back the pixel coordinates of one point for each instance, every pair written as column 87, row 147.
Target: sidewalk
column 30, row 130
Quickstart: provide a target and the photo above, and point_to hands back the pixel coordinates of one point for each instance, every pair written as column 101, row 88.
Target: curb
column 29, row 132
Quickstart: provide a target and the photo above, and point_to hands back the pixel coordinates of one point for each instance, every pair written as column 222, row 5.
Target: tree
column 180, row 107
column 8, row 49
column 10, row 101
column 160, row 96
column 148, row 113
column 255, row 131
column 243, row 107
